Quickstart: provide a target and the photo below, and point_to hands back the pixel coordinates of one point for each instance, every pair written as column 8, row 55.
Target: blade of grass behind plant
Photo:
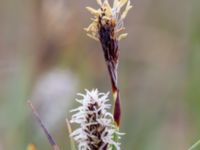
column 72, row 143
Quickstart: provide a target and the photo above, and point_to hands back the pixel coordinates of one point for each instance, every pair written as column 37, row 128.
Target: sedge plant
column 98, row 128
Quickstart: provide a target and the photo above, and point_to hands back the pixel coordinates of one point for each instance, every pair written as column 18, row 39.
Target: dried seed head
column 96, row 129
column 110, row 17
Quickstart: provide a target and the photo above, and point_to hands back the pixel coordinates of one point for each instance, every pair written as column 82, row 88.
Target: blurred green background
column 45, row 56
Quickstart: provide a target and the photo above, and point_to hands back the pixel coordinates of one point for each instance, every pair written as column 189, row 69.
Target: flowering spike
column 107, row 27
column 96, row 129
column 107, row 15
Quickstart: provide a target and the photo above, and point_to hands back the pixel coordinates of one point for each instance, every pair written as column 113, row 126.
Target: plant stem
column 50, row 138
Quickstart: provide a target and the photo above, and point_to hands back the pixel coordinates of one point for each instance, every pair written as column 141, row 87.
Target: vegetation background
column 45, row 56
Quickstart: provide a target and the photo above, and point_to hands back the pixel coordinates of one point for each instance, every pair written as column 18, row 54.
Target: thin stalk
column 72, row 143
column 116, row 94
column 50, row 138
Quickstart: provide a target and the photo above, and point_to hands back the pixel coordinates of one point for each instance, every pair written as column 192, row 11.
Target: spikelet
column 108, row 15
column 96, row 129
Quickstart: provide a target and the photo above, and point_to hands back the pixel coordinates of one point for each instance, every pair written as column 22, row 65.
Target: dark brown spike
column 50, row 138
column 110, row 48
